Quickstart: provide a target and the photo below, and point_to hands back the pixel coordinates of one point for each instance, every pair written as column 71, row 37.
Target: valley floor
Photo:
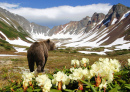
column 12, row 67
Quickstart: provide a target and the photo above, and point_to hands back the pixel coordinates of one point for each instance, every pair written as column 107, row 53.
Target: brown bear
column 38, row 52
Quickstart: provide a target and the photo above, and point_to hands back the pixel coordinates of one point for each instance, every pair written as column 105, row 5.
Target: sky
column 58, row 12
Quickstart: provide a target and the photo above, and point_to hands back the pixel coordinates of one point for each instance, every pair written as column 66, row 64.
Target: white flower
column 47, row 86
column 44, row 82
column 128, row 62
column 103, row 84
column 60, row 76
column 84, row 60
column 109, row 77
column 115, row 63
column 96, row 68
column 77, row 74
column 27, row 77
column 26, row 83
column 41, row 79
column 101, row 59
column 75, row 62
column 105, row 68
column 72, row 69
column 87, row 74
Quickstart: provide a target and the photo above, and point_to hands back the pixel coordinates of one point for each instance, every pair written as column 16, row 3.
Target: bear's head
column 50, row 44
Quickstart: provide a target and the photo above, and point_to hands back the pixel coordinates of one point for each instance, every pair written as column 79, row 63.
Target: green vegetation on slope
column 5, row 46
column 11, row 32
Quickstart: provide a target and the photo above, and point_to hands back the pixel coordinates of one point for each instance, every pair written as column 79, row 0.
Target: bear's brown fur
column 38, row 52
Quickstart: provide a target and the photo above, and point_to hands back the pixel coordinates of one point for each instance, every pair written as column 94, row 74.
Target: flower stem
column 60, row 85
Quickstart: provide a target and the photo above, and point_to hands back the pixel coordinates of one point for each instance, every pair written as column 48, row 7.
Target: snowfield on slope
column 16, row 41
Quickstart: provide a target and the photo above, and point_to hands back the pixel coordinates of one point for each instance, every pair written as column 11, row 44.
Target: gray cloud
column 56, row 15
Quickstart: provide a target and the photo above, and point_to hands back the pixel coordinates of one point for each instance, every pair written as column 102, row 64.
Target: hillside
column 100, row 30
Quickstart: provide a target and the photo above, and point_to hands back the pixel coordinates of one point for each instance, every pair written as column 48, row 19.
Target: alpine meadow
column 90, row 55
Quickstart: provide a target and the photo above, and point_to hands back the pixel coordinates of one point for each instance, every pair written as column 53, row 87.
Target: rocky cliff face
column 115, row 13
column 97, row 17
column 72, row 27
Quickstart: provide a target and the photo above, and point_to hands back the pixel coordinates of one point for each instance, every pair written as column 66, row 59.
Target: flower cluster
column 61, row 78
column 27, row 77
column 44, row 82
column 77, row 74
column 75, row 63
column 103, row 70
column 83, row 62
column 106, row 68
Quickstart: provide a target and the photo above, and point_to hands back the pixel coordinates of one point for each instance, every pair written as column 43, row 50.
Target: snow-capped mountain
column 99, row 30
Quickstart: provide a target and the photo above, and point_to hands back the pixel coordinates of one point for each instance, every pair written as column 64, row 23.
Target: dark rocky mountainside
column 117, row 12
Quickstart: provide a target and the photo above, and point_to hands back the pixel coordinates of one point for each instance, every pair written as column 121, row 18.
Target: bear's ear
column 48, row 40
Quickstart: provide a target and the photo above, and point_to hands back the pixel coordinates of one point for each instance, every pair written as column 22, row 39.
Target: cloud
column 8, row 6
column 57, row 15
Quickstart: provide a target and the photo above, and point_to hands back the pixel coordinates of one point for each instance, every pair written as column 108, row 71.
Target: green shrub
column 118, row 52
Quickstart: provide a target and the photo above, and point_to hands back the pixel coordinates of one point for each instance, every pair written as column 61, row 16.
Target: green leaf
column 57, row 69
column 19, row 90
column 30, row 89
column 122, row 81
column 50, row 76
column 93, row 89
column 125, row 72
column 55, row 90
column 37, row 90
column 110, row 86
column 115, row 89
column 127, row 86
column 68, row 90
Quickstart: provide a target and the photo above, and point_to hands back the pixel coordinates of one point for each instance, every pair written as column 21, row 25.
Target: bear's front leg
column 43, row 65
column 39, row 68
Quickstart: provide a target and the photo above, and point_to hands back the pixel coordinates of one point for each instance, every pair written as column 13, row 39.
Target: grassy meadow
column 11, row 67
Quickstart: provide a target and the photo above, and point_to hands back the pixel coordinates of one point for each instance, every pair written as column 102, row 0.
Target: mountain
column 96, row 31
column 100, row 30
column 19, row 23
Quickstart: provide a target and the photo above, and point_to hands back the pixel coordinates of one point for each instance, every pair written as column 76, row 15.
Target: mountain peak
column 97, row 17
column 119, row 8
column 117, row 12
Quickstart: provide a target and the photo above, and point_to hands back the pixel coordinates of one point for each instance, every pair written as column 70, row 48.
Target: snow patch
column 125, row 15
column 20, row 49
column 30, row 39
column 16, row 41
column 89, row 52
column 6, row 21
column 114, row 21
column 124, row 46
column 8, row 55
column 118, row 41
